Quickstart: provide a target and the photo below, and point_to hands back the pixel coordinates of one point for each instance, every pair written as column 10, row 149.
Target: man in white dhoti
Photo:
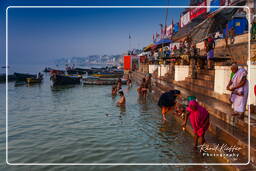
column 238, row 84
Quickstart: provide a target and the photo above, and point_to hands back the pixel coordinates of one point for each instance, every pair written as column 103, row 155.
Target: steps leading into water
column 223, row 125
column 220, row 135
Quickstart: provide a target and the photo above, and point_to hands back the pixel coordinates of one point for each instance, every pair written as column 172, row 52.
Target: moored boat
column 58, row 72
column 101, row 81
column 47, row 69
column 108, row 75
column 23, row 77
column 64, row 79
column 3, row 78
column 80, row 71
column 34, row 80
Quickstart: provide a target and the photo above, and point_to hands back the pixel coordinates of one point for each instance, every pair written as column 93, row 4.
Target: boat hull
column 34, row 80
column 23, row 77
column 108, row 75
column 64, row 80
column 101, row 81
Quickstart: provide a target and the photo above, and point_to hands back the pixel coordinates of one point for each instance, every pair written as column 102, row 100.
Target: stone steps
column 207, row 77
column 200, row 82
column 231, row 135
column 206, row 72
column 220, row 110
column 220, row 133
column 203, row 90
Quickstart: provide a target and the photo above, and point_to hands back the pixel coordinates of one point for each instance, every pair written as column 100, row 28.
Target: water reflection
column 61, row 87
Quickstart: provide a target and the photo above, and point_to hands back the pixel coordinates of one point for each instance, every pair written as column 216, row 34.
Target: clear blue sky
column 42, row 35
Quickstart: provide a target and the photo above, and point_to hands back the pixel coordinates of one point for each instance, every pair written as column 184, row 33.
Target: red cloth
column 255, row 90
column 199, row 118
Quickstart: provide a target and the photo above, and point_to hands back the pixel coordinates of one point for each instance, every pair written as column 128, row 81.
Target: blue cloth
column 214, row 3
column 163, row 41
column 240, row 25
column 210, row 54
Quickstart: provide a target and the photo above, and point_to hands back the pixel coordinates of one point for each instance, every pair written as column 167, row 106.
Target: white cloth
column 239, row 102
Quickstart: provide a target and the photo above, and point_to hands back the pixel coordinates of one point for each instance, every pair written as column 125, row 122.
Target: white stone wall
column 162, row 70
column 181, row 72
column 221, row 79
column 252, row 83
column 152, row 68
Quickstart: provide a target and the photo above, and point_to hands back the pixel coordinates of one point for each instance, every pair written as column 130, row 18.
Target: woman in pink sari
column 199, row 119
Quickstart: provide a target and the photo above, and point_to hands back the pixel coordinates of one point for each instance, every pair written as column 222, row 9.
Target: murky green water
column 82, row 124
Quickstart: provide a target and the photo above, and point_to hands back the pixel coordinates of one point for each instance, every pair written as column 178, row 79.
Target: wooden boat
column 80, row 71
column 64, row 79
column 34, row 80
column 23, row 77
column 5, row 66
column 101, row 81
column 47, row 69
column 58, row 72
column 3, row 78
column 108, row 75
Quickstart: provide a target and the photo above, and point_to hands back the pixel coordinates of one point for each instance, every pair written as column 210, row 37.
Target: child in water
column 121, row 101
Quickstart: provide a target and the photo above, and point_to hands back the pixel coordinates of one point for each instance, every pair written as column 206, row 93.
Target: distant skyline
column 41, row 35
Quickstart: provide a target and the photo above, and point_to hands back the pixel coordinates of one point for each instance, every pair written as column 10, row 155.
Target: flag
column 161, row 30
column 172, row 26
column 162, row 33
column 157, row 35
column 165, row 28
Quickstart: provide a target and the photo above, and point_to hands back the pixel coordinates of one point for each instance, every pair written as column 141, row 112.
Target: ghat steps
column 223, row 125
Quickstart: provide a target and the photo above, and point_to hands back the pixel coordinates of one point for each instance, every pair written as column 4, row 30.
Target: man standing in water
column 148, row 82
column 121, row 101
column 119, row 84
column 142, row 90
column 167, row 101
column 238, row 85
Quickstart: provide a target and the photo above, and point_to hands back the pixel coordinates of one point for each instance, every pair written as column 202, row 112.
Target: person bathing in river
column 129, row 83
column 199, row 119
column 121, row 101
column 142, row 90
column 148, row 82
column 167, row 101
column 114, row 90
column 238, row 85
column 119, row 84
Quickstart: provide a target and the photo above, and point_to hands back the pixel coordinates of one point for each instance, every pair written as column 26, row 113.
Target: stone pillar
column 152, row 68
column 171, row 71
column 162, row 70
column 181, row 72
column 252, row 83
column 221, row 79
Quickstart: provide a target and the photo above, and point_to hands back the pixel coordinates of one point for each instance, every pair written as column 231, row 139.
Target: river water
column 82, row 124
